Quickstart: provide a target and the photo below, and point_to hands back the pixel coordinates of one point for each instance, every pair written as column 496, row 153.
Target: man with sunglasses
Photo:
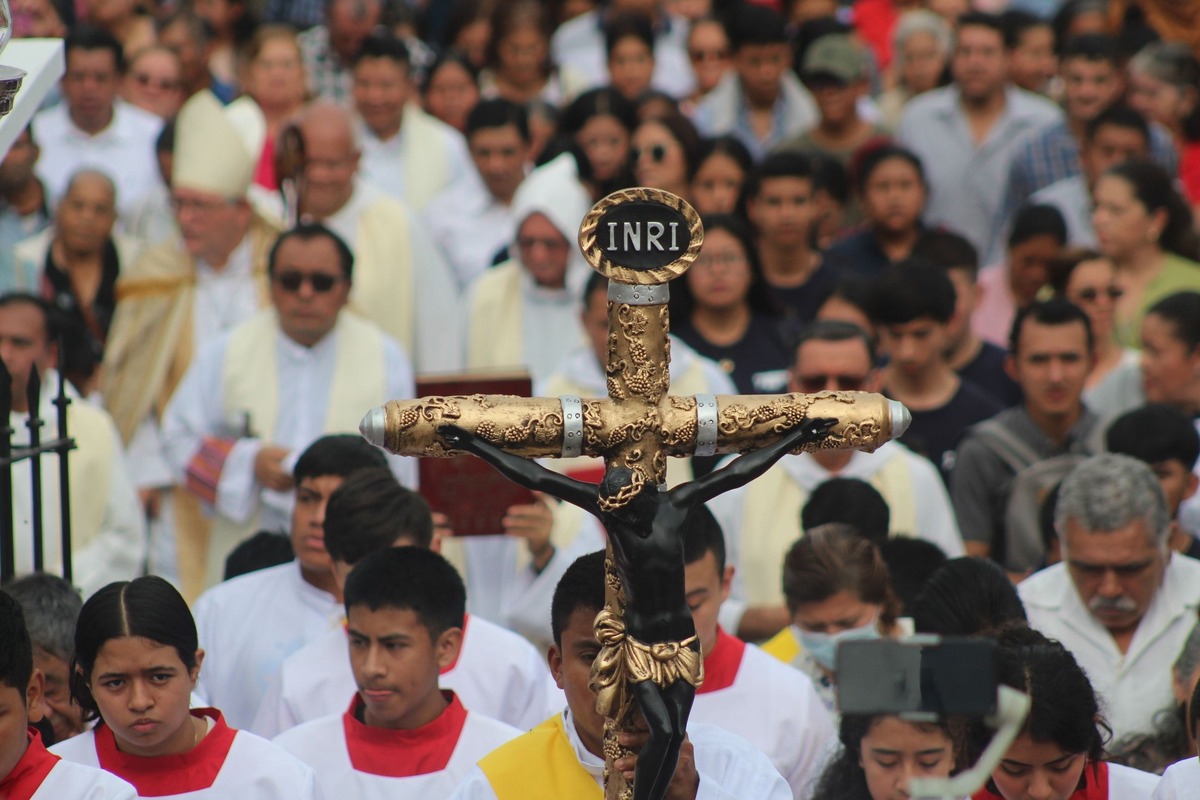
column 762, row 520
column 256, row 397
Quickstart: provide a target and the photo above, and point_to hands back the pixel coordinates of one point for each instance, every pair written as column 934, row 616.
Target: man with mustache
column 1120, row 601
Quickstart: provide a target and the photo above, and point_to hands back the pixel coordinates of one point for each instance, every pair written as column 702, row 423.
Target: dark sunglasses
column 1090, row 294
column 657, row 153
column 819, row 383
column 320, row 282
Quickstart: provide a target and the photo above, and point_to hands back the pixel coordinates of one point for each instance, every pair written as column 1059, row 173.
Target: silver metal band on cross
column 572, row 411
column 706, row 425
column 648, row 295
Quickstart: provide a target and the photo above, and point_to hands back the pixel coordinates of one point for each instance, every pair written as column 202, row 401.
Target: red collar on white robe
column 722, row 664
column 457, row 656
column 1093, row 785
column 157, row 776
column 392, row 753
column 28, row 774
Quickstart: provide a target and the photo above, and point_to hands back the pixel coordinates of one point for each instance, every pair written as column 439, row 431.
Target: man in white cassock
column 176, row 297
column 407, row 152
column 495, row 672
column 403, row 736
column 401, row 282
column 745, row 690
column 108, row 537
column 471, row 220
column 254, row 398
column 564, row 757
column 524, row 313
column 762, row 519
column 249, row 624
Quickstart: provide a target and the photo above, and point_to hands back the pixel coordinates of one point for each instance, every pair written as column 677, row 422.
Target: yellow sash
column 383, row 271
column 494, row 333
column 249, row 384
column 541, row 765
column 426, row 167
column 783, row 646
column 771, row 523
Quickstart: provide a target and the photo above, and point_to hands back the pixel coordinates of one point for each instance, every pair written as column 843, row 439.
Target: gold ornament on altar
column 639, row 239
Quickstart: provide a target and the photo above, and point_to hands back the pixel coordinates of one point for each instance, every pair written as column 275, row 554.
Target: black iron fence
column 62, row 444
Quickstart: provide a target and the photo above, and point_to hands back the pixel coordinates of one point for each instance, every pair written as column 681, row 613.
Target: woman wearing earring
column 1145, row 227
column 136, row 663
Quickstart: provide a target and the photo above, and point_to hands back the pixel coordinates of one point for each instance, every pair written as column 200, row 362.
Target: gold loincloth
column 623, row 659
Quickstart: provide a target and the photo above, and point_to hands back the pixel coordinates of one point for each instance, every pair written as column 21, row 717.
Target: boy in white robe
column 27, row 770
column 745, row 690
column 563, row 757
column 403, row 736
column 248, row 625
column 495, row 671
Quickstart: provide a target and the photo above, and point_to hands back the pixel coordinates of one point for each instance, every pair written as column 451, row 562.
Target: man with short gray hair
column 1120, row 601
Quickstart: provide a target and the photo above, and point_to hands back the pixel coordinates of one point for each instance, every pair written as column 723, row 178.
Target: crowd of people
column 237, row 225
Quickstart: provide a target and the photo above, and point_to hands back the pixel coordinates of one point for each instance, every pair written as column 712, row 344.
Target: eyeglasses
column 149, row 81
column 720, row 260
column 1091, row 293
column 530, row 242
column 320, row 282
column 820, row 383
column 657, row 153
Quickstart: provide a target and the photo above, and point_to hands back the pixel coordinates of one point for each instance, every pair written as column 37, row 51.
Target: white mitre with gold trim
column 217, row 147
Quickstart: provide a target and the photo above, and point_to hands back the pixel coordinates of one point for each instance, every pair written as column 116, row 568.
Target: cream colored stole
column 426, row 165
column 495, row 334
column 250, row 384
column 771, row 523
column 383, row 281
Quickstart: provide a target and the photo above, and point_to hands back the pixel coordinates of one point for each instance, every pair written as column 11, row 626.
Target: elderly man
column 1120, row 600
column 401, row 282
column 257, row 396
column 180, row 295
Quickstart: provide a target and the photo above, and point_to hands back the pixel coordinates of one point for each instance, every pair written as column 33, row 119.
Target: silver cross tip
column 374, row 423
column 901, row 418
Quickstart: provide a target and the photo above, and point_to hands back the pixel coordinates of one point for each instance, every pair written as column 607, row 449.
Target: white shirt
column 305, row 381
column 250, row 769
column 1134, row 685
column 498, row 674
column 118, row 546
column 470, row 226
column 124, row 151
column 730, row 768
column 82, row 783
column 773, row 706
column 578, row 44
column 1073, row 200
column 225, row 298
column 436, row 310
column 383, row 160
column 935, row 520
column 1179, row 782
column 354, row 760
column 248, row 625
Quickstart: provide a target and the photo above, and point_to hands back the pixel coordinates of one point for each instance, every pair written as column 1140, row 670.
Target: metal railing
column 32, row 452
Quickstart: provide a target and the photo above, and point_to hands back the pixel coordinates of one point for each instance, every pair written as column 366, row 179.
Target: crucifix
column 649, row 665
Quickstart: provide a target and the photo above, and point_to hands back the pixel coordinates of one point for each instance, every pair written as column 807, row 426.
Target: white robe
column 248, row 768
column 248, row 626
column 758, row 580
column 390, row 163
column 773, row 706
column 77, row 782
column 730, row 768
column 498, row 674
column 354, row 760
column 305, row 380
column 1179, row 782
column 116, row 546
column 470, row 226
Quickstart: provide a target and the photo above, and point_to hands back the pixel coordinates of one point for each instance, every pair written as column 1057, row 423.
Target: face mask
column 823, row 646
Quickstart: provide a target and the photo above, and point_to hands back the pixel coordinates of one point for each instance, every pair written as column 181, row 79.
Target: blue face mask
column 823, row 646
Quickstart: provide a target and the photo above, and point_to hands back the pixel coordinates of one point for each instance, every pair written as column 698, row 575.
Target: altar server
column 564, row 757
column 27, row 770
column 292, row 604
column 402, row 736
column 137, row 659
column 496, row 672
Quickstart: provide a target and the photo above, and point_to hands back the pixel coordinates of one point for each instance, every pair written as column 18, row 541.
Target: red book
column 467, row 489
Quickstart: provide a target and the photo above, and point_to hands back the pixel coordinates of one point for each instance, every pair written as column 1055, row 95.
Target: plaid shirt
column 328, row 77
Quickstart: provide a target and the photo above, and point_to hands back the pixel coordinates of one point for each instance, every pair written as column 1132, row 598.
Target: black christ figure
column 648, row 549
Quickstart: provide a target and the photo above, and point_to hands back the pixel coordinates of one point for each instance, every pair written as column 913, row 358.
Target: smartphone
column 923, row 676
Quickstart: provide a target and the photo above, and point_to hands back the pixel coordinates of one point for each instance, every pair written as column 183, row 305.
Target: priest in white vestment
column 108, row 536
column 407, row 152
column 177, row 296
column 524, row 313
column 257, row 396
column 401, row 282
column 762, row 519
